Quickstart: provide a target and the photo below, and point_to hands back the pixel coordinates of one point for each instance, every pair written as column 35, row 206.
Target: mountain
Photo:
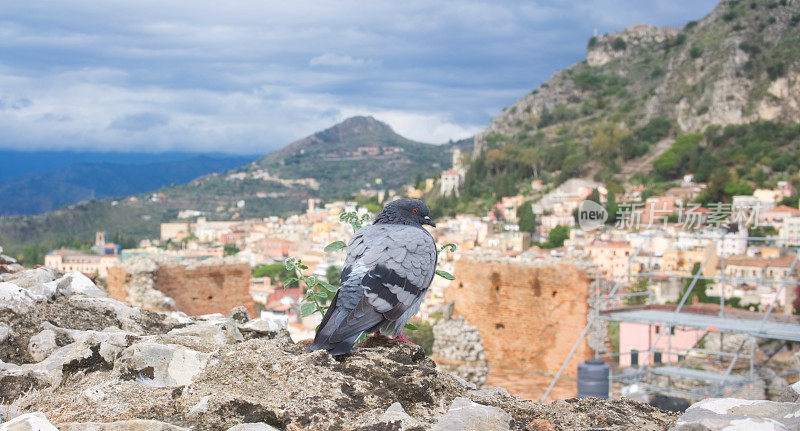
column 40, row 192
column 335, row 163
column 612, row 115
column 353, row 154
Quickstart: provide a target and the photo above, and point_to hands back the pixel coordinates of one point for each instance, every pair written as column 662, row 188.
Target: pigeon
column 388, row 269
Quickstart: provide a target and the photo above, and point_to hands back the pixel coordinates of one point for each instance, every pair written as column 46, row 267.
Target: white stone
column 129, row 425
column 35, row 421
column 466, row 415
column 396, row 413
column 266, row 325
column 172, row 365
column 75, row 283
column 41, row 345
column 5, row 332
column 258, row 426
column 17, row 299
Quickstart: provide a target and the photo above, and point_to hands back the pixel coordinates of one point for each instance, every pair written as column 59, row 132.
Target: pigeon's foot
column 402, row 339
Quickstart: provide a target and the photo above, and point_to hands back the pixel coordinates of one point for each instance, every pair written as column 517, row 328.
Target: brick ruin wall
column 529, row 316
column 195, row 290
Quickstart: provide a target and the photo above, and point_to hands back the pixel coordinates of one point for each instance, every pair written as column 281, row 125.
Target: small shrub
column 592, row 42
column 618, row 44
column 776, row 70
column 690, row 25
column 729, row 16
column 695, row 52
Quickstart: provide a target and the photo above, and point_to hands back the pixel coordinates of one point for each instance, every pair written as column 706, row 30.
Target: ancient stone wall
column 194, row 290
column 529, row 314
column 457, row 348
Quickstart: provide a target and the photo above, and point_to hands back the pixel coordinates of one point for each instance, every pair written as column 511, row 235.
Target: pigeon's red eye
column 415, row 211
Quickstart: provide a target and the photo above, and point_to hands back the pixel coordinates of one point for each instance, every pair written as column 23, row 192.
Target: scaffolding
column 657, row 376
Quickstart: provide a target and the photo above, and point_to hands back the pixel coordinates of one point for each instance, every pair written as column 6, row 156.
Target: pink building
column 636, row 339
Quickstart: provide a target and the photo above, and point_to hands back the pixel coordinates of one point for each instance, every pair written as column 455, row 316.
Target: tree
column 557, row 237
column 277, row 273
column 611, row 207
column 699, row 290
column 333, row 274
column 527, row 220
column 230, row 249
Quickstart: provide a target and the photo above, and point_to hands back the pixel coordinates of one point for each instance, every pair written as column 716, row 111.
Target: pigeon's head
column 405, row 211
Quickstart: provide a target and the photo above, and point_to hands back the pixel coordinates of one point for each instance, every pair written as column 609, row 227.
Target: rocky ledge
column 74, row 359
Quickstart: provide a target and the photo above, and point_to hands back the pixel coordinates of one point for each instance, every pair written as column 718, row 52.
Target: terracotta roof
column 784, row 209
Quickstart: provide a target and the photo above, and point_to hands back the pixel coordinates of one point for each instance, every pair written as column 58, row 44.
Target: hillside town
column 741, row 251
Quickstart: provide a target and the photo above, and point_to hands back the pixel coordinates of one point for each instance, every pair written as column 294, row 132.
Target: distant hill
column 615, row 114
column 353, row 154
column 335, row 163
column 45, row 191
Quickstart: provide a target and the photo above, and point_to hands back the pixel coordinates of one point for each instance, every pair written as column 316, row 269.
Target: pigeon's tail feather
column 340, row 329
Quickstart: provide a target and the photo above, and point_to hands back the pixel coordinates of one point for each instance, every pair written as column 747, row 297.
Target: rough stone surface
column 457, row 347
column 258, row 426
column 467, row 415
column 117, row 365
column 131, row 425
column 239, row 314
column 737, row 414
column 35, row 421
column 791, row 394
column 40, row 346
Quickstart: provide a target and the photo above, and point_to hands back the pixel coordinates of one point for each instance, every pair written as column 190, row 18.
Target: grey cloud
column 139, row 122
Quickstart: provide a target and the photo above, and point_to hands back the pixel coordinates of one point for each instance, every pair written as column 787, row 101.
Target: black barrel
column 593, row 379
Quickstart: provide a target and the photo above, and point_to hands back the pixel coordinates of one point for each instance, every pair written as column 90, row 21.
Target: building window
column 634, row 357
column 656, row 357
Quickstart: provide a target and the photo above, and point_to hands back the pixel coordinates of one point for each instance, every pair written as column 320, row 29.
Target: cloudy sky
column 250, row 76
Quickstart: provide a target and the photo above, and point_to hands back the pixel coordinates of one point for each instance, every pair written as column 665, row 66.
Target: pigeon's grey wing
column 345, row 301
column 404, row 263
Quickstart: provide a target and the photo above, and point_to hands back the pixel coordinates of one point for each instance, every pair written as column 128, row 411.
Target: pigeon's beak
column 427, row 220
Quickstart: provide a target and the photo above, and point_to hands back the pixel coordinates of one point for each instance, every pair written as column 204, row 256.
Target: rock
column 671, row 404
column 40, row 346
column 160, row 365
column 738, row 414
column 266, row 325
column 75, row 283
column 540, row 425
column 32, row 279
column 458, row 348
column 206, row 336
column 790, row 394
column 130, row 425
column 467, row 415
column 5, row 332
column 239, row 314
column 17, row 299
column 395, row 417
column 256, row 426
column 28, row 422
column 789, row 360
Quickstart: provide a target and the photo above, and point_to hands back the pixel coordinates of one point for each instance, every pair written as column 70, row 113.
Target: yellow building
column 66, row 260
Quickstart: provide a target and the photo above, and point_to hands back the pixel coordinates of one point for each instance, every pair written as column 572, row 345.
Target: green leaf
column 289, row 281
column 307, row 309
column 410, row 327
column 444, row 274
column 329, row 287
column 289, row 263
column 322, row 294
column 310, row 280
column 336, row 245
column 302, row 266
column 449, row 245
